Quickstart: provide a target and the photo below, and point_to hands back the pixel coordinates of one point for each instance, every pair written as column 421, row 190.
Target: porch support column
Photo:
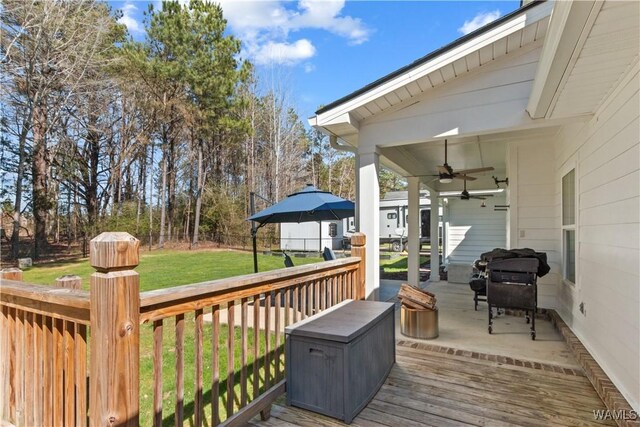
column 413, row 231
column 445, row 231
column 356, row 220
column 368, row 217
column 435, row 255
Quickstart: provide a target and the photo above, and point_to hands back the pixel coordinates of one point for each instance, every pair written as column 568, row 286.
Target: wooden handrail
column 197, row 290
column 59, row 303
column 266, row 302
column 47, row 338
column 162, row 303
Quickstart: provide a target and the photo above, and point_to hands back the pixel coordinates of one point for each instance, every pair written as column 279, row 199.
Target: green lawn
column 398, row 265
column 166, row 268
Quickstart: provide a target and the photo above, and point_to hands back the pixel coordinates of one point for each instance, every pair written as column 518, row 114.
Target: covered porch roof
column 517, row 79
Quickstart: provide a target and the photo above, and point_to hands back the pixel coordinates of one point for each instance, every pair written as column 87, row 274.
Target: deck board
column 437, row 388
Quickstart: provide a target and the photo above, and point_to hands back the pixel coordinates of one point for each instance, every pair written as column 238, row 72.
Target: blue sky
column 326, row 49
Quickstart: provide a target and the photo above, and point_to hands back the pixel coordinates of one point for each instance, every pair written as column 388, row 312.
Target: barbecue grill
column 478, row 283
column 512, row 283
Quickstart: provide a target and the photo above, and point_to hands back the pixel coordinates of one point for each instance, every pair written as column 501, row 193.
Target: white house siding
column 533, row 200
column 606, row 154
column 461, row 105
column 473, row 230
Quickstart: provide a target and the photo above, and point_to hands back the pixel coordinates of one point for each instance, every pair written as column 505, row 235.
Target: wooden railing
column 214, row 350
column 43, row 370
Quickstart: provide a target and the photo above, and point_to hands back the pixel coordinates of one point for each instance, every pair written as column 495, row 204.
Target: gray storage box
column 337, row 360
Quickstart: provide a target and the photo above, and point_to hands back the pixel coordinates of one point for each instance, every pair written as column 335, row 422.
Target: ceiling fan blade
column 477, row 170
column 477, row 197
column 464, row 177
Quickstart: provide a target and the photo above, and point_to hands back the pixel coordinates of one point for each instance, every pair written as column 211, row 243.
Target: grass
column 166, row 268
column 398, row 265
column 169, row 393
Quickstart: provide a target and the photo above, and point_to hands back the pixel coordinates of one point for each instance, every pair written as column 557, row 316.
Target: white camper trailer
column 394, row 217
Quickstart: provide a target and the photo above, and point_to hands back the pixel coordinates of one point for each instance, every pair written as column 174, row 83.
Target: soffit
column 609, row 51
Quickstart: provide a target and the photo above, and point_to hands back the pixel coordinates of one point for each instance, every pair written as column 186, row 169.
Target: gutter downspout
column 333, row 141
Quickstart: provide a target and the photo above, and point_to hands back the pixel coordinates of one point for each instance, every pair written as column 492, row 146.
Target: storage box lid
column 343, row 322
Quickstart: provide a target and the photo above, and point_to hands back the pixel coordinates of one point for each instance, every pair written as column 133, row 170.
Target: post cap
column 358, row 239
column 11, row 273
column 114, row 251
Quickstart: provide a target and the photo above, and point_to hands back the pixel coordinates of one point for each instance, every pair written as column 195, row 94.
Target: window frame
column 564, row 228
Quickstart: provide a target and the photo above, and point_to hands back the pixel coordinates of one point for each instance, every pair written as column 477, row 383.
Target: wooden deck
column 439, row 386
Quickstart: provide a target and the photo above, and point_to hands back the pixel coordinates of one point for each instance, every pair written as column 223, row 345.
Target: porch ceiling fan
column 446, row 174
column 466, row 196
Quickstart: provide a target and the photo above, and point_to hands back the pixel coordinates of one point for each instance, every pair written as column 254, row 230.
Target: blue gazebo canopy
column 309, row 204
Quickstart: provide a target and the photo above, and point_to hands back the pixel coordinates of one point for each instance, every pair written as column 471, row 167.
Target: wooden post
column 69, row 282
column 11, row 274
column 358, row 248
column 115, row 331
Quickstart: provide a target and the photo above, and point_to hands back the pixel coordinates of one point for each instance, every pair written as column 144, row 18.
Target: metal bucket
column 421, row 324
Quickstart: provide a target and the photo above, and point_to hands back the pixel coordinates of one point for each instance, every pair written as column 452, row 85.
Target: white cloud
column 284, row 53
column 325, row 15
column 309, row 67
column 134, row 26
column 265, row 27
column 480, row 20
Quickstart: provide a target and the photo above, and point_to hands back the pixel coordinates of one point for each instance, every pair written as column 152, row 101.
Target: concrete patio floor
column 463, row 328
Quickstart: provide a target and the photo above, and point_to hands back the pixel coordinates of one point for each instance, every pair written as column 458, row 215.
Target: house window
column 569, row 225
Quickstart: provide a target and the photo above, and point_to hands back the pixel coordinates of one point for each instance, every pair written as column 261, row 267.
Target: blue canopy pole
column 254, row 231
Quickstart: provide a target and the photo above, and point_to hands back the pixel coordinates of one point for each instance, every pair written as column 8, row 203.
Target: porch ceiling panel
column 609, row 51
column 463, row 153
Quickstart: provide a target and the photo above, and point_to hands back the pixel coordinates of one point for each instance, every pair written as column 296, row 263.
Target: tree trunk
column 91, row 191
column 15, row 236
column 163, row 198
column 68, row 216
column 187, row 227
column 151, row 199
column 39, row 176
column 171, row 176
column 141, row 188
column 196, row 221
